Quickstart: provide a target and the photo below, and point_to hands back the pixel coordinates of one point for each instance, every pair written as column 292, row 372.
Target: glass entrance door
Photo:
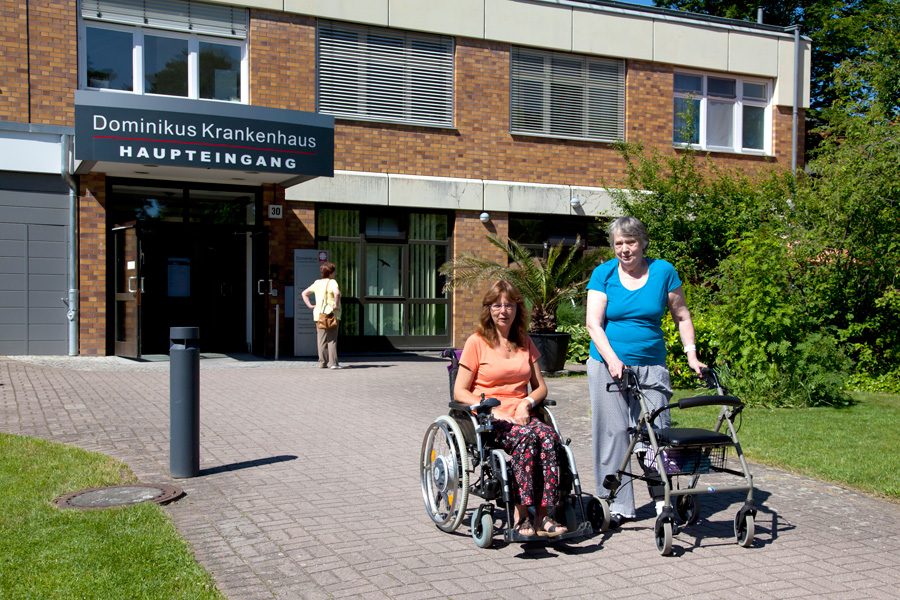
column 128, row 282
column 194, row 266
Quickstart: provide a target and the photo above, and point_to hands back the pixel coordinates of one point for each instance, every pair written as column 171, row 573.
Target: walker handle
column 709, row 401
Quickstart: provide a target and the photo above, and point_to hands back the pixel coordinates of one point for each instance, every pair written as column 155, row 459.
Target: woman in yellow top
column 328, row 299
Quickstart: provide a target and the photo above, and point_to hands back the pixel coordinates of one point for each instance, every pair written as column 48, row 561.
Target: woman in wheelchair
column 500, row 361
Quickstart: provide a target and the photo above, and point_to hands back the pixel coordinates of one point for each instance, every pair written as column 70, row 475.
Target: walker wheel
column 597, row 510
column 663, row 533
column 744, row 526
column 688, row 509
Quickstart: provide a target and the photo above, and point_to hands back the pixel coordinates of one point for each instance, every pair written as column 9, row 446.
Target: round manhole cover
column 119, row 495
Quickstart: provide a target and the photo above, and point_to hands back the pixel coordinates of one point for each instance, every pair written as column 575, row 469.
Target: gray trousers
column 611, row 416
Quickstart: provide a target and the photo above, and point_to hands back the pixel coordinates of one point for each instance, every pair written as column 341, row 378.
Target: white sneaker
column 335, row 367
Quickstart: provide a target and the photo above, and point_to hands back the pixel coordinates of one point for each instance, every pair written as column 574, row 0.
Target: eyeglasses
column 504, row 306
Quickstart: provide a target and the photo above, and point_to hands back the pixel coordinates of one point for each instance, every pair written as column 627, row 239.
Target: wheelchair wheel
column 483, row 528
column 445, row 479
column 564, row 513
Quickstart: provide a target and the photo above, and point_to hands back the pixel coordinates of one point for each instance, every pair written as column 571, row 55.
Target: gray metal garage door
column 33, row 266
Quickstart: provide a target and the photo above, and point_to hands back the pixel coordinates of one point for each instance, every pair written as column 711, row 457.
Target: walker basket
column 688, row 461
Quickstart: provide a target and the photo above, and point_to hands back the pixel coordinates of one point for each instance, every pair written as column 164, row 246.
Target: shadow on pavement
column 248, row 464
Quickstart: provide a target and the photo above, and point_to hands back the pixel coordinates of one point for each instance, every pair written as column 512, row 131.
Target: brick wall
column 282, row 61
column 92, row 265
column 481, row 146
column 469, row 238
column 53, row 60
column 13, row 61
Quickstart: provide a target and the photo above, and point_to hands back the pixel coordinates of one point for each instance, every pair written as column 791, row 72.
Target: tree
column 544, row 282
column 841, row 30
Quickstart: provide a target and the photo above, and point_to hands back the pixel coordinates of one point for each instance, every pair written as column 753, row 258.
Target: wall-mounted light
column 484, row 217
column 575, row 202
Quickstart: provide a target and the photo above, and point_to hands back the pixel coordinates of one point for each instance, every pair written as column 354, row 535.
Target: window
column 166, row 47
column 387, row 265
column 383, row 75
column 722, row 113
column 566, row 95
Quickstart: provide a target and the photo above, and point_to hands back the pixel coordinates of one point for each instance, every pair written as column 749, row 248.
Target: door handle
column 259, row 287
column 142, row 285
column 130, row 280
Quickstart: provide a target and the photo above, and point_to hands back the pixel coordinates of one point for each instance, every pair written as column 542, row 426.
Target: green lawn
column 45, row 552
column 855, row 447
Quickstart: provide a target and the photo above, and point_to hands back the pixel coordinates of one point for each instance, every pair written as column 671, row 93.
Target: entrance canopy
column 130, row 135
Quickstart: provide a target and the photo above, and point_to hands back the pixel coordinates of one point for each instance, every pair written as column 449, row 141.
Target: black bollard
column 184, row 402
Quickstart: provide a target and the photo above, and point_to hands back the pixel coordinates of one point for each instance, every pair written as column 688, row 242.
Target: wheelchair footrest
column 584, row 529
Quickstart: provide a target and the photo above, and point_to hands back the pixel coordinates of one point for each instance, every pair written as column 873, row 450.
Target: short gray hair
column 630, row 227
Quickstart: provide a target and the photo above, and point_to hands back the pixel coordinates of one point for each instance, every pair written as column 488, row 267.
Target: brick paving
column 309, row 488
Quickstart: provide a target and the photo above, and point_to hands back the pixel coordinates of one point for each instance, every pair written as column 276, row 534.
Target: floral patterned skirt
column 532, row 450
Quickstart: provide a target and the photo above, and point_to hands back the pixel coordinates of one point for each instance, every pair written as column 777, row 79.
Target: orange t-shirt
column 496, row 376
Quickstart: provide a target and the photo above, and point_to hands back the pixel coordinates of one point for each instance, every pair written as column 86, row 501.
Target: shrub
column 775, row 353
column 676, row 361
column 579, row 344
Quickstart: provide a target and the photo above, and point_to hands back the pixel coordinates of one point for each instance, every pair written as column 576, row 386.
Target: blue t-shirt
column 634, row 317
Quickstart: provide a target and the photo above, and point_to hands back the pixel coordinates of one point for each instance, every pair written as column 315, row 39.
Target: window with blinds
column 567, row 95
column 174, row 15
column 384, row 75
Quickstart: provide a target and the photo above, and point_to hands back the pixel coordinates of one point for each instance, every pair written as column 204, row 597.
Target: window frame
column 553, row 113
column 739, row 102
column 137, row 47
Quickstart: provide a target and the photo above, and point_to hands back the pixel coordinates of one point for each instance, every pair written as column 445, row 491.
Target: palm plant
column 545, row 282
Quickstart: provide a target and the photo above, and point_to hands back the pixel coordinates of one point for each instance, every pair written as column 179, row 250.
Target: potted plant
column 544, row 282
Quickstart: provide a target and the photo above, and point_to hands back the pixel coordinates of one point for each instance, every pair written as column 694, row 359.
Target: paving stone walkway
column 309, row 488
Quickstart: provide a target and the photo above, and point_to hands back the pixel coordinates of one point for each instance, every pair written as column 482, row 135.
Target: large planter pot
column 553, row 348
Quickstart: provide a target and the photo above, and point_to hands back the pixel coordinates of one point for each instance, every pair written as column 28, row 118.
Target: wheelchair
column 460, row 458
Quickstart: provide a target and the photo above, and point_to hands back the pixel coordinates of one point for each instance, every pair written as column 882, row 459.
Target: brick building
column 171, row 162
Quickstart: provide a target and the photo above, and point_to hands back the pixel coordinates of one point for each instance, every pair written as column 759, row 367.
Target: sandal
column 523, row 525
column 550, row 528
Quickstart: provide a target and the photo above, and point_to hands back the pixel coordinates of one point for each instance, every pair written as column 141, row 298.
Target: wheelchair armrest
column 709, row 401
column 546, row 402
column 482, row 407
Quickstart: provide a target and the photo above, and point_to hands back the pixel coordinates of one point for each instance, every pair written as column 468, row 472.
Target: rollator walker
column 669, row 456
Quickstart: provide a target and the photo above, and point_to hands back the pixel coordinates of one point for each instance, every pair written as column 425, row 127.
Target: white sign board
column 275, row 211
column 306, row 271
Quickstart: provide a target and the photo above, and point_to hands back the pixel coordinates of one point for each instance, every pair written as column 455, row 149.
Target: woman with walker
column 627, row 298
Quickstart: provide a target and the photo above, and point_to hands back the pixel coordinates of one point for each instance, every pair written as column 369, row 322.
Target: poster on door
column 306, row 271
